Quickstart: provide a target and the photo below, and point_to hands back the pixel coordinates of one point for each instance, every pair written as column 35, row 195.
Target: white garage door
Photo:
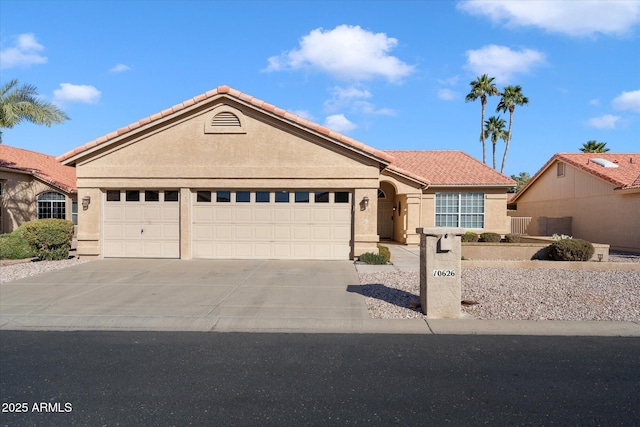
column 272, row 224
column 142, row 224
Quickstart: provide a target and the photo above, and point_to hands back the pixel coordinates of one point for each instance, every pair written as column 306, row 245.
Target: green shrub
column 571, row 250
column 385, row 252
column 513, row 238
column 15, row 246
column 490, row 237
column 469, row 236
column 371, row 258
column 50, row 239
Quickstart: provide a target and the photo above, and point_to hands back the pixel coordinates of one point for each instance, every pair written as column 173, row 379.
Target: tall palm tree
column 18, row 103
column 509, row 98
column 482, row 87
column 494, row 129
column 594, row 146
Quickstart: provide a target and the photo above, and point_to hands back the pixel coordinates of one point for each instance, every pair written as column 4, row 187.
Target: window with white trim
column 464, row 210
column 51, row 205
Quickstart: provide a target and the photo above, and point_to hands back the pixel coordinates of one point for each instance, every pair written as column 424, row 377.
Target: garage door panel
column 141, row 229
column 271, row 230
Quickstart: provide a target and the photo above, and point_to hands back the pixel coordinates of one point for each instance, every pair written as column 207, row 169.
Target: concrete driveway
column 195, row 295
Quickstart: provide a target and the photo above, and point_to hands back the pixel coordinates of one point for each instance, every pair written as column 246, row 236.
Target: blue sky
column 392, row 74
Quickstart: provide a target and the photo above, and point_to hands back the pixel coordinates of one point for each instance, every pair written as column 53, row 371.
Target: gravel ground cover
column 516, row 294
column 15, row 270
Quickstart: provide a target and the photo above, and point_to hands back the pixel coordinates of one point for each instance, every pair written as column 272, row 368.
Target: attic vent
column 225, row 119
column 604, row 163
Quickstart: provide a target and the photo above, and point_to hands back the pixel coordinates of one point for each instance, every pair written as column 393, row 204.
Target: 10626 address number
column 444, row 273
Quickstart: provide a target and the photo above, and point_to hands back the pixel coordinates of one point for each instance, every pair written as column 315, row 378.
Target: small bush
column 371, row 258
column 490, row 237
column 513, row 238
column 571, row 250
column 385, row 252
column 50, row 239
column 15, row 246
column 469, row 236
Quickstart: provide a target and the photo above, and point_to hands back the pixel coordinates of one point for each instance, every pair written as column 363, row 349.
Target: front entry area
column 271, row 224
column 386, row 211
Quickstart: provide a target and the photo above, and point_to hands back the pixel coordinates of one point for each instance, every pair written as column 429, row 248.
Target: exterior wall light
column 364, row 203
column 86, row 200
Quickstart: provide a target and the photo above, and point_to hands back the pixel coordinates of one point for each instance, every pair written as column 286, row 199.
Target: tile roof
column 626, row 175
column 448, row 167
column 42, row 166
column 244, row 98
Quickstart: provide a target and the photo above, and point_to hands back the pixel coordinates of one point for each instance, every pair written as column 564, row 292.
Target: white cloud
column 346, row 52
column 119, row 68
column 628, row 101
column 503, row 63
column 607, row 121
column 594, row 102
column 25, row 52
column 70, row 93
column 344, row 97
column 447, row 94
column 575, row 18
column 339, row 123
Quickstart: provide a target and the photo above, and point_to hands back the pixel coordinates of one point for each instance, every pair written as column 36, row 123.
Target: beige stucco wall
column 269, row 155
column 599, row 214
column 495, row 207
column 18, row 201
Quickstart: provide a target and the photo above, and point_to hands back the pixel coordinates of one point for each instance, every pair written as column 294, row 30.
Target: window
column 204, row 197
column 381, row 194
column 262, row 197
column 113, row 195
column 302, row 197
column 342, row 197
column 322, row 197
column 151, row 196
column 460, row 210
column 170, row 195
column 223, row 196
column 282, row 197
column 51, row 205
column 132, row 196
column 243, row 196
column 560, row 169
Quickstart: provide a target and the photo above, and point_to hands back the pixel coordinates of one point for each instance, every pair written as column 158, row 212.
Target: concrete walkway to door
column 196, row 295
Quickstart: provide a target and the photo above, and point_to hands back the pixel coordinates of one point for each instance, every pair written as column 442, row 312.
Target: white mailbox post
column 440, row 269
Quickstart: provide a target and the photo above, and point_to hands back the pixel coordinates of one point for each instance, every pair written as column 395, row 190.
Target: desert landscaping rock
column 20, row 270
column 516, row 294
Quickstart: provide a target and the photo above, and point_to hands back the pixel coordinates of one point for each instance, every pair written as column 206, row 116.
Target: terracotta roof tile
column 624, row 176
column 447, row 167
column 42, row 166
column 241, row 96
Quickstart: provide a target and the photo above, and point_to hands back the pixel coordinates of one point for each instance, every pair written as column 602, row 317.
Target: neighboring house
column 225, row 175
column 34, row 186
column 593, row 196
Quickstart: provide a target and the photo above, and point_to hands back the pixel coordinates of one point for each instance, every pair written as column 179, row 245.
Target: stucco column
column 365, row 220
column 185, row 223
column 413, row 219
column 89, row 222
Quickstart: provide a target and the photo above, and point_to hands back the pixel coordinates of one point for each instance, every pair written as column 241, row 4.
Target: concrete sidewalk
column 233, row 296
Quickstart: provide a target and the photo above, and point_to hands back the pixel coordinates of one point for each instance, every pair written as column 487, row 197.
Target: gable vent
column 604, row 163
column 225, row 119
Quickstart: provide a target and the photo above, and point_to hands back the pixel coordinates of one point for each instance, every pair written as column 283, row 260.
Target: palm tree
column 594, row 146
column 482, row 87
column 509, row 98
column 494, row 129
column 18, row 103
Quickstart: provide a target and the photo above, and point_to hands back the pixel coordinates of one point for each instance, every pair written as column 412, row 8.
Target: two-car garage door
column 227, row 224
column 271, row 224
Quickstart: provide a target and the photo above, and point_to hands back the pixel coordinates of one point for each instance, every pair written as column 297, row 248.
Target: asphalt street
column 171, row 378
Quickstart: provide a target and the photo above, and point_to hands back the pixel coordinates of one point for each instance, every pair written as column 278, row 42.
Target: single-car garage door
column 272, row 224
column 142, row 224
